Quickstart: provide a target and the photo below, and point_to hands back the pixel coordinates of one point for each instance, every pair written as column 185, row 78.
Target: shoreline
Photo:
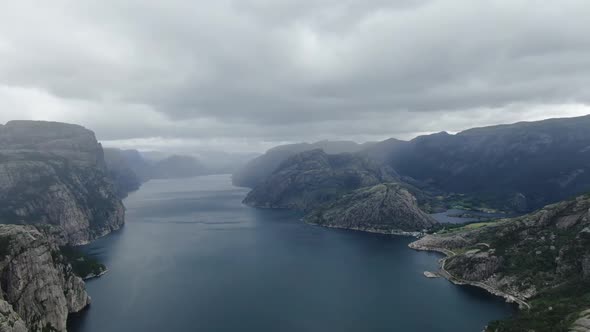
column 95, row 276
column 522, row 304
column 371, row 230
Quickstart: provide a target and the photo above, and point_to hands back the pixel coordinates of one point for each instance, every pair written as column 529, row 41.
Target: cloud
column 246, row 74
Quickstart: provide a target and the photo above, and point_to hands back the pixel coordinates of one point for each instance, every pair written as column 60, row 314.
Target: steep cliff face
column 38, row 287
column 54, row 173
column 311, row 178
column 384, row 208
column 542, row 258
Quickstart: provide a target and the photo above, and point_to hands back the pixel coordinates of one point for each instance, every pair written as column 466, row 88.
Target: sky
column 245, row 75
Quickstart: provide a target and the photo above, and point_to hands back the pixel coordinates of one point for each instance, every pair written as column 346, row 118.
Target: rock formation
column 55, row 173
column 39, row 289
column 384, row 208
column 309, row 179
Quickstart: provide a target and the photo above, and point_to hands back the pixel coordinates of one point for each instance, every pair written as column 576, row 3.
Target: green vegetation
column 545, row 252
column 462, row 227
column 477, row 225
column 552, row 311
column 82, row 265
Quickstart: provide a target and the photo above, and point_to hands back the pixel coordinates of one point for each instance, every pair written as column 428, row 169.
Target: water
column 193, row 258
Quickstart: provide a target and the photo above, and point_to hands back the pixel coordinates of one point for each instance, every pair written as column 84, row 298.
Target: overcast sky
column 244, row 75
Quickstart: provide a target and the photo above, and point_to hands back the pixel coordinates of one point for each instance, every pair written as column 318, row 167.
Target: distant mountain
column 130, row 169
column 219, row 162
column 127, row 168
column 540, row 260
column 308, row 179
column 344, row 191
column 514, row 167
column 177, row 166
column 256, row 171
column 385, row 151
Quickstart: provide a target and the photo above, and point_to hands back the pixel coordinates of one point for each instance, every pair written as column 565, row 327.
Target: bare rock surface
column 383, row 208
column 39, row 289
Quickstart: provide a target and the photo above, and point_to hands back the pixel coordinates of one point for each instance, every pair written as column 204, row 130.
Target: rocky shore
column 541, row 261
column 372, row 230
column 490, row 288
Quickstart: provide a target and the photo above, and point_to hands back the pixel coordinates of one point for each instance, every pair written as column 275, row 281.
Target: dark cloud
column 248, row 71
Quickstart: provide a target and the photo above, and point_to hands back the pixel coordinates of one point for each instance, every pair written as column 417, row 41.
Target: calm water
column 192, row 258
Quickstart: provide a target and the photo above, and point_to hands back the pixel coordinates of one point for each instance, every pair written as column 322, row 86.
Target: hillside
column 540, row 260
column 519, row 167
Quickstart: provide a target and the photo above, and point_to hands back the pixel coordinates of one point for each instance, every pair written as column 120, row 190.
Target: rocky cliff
column 38, row 287
column 540, row 260
column 309, row 179
column 384, row 208
column 55, row 173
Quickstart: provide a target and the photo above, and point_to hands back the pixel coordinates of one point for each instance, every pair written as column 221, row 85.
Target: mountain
column 383, row 208
column 127, row 169
column 130, row 169
column 55, row 173
column 256, row 171
column 385, row 151
column 39, row 288
column 218, row 162
column 540, row 260
column 214, row 162
column 177, row 166
column 308, row 179
column 516, row 167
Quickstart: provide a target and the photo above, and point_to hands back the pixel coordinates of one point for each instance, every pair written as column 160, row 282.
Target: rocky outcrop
column 384, row 208
column 312, row 178
column 38, row 287
column 10, row 320
column 540, row 260
column 54, row 173
column 582, row 324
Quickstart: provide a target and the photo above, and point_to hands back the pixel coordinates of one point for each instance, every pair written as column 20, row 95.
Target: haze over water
column 193, row 258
